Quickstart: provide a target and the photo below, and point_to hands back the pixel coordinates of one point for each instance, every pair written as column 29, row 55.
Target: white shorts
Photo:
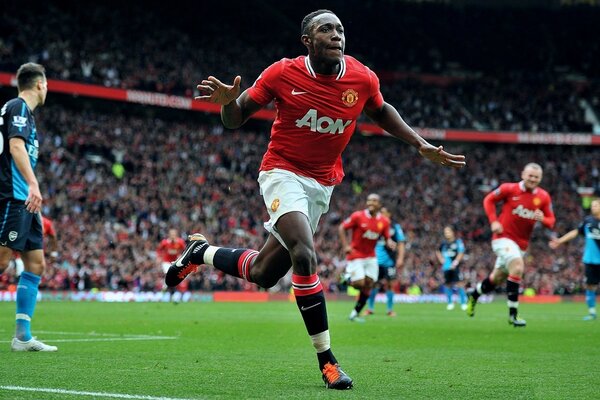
column 284, row 192
column 506, row 250
column 165, row 266
column 358, row 268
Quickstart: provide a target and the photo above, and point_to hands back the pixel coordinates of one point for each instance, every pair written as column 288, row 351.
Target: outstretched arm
column 556, row 242
column 236, row 109
column 388, row 118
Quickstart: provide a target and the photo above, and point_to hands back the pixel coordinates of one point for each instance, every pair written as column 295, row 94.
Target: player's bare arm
column 346, row 248
column 21, row 159
column 387, row 118
column 236, row 109
column 400, row 259
column 556, row 242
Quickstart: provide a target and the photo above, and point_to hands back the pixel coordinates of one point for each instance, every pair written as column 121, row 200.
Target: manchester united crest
column 537, row 201
column 350, row 97
column 275, row 205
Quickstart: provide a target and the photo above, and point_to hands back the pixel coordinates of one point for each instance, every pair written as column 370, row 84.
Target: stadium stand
column 118, row 176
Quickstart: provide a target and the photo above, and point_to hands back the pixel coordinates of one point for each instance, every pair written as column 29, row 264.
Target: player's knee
column 264, row 276
column 304, row 259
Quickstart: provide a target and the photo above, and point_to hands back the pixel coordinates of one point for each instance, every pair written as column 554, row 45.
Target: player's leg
column 264, row 268
column 389, row 291
column 448, row 288
column 462, row 295
column 376, row 288
column 515, row 274
column 592, row 277
column 364, row 272
column 505, row 250
column 23, row 230
column 295, row 230
column 27, row 291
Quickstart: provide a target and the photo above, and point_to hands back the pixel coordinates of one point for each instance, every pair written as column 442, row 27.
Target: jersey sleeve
column 263, row 89
column 460, row 246
column 386, row 229
column 497, row 195
column 549, row 218
column 17, row 118
column 398, row 234
column 375, row 100
column 350, row 222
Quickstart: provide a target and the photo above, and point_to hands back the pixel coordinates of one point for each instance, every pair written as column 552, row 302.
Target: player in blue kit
column 21, row 199
column 450, row 254
column 590, row 229
column 390, row 258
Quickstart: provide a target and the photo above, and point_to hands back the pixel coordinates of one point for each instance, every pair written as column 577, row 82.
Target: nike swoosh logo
column 309, row 307
column 294, row 93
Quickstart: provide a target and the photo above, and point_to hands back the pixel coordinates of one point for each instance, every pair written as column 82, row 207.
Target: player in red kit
column 318, row 99
column 50, row 235
column 167, row 251
column 367, row 227
column 524, row 204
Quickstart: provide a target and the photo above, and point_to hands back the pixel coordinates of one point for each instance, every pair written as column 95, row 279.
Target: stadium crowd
column 116, row 181
column 117, row 178
column 501, row 70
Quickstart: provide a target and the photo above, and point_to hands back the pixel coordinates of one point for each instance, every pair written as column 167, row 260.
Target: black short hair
column 28, row 74
column 306, row 21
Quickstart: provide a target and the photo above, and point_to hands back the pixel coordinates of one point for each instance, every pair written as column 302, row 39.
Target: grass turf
column 243, row 350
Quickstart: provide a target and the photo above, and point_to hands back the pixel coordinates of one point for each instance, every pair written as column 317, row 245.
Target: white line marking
column 128, row 339
column 100, row 334
column 99, row 337
column 95, row 394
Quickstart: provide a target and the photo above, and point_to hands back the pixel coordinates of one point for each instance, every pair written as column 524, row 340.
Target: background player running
column 524, row 204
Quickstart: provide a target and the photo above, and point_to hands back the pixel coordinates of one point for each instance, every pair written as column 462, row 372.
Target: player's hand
column 554, row 243
column 440, row 156
column 348, row 249
column 538, row 215
column 496, row 227
column 34, row 199
column 215, row 91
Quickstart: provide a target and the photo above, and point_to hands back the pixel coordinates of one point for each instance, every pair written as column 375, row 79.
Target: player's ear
column 305, row 39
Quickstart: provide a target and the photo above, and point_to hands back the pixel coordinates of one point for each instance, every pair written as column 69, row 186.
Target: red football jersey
column 168, row 250
column 366, row 230
column 316, row 114
column 517, row 211
column 48, row 227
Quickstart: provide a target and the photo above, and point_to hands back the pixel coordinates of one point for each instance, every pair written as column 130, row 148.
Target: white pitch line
column 95, row 394
column 97, row 334
column 124, row 339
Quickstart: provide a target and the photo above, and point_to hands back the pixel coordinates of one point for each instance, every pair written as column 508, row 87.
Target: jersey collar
column 368, row 214
column 312, row 73
column 524, row 189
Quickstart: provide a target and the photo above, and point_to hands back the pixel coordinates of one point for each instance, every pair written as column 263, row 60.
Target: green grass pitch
column 262, row 351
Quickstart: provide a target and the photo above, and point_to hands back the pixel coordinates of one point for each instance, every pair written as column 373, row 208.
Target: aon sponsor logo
column 524, row 212
column 370, row 235
column 322, row 124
